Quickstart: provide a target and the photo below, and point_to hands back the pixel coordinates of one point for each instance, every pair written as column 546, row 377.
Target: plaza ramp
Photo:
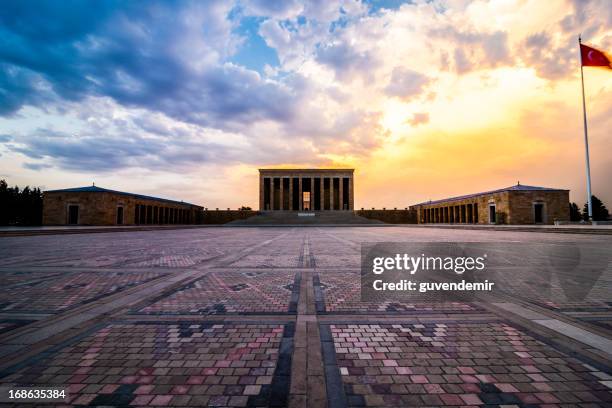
column 313, row 218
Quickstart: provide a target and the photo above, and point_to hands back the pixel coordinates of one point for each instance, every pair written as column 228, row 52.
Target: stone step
column 297, row 218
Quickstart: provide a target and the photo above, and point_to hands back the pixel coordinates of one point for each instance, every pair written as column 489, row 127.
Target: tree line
column 20, row 206
column 600, row 212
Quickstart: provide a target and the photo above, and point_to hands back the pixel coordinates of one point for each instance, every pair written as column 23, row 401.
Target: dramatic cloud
column 152, row 57
column 191, row 95
column 406, row 84
column 274, row 9
column 344, row 59
column 476, row 49
column 419, row 119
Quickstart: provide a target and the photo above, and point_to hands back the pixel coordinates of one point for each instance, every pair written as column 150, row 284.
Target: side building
column 99, row 206
column 517, row 204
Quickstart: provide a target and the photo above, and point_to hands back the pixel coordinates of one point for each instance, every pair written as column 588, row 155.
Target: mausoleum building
column 306, row 190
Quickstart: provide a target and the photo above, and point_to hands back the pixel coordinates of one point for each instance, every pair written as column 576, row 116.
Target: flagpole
column 586, row 138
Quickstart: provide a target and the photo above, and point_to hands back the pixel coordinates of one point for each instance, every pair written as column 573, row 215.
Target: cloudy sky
column 186, row 100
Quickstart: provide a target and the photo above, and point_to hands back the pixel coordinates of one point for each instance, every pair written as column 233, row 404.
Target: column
column 351, row 194
column 291, row 194
column 340, row 194
column 261, row 193
column 331, row 193
column 271, row 193
column 321, row 192
column 301, row 194
column 311, row 193
column 281, row 201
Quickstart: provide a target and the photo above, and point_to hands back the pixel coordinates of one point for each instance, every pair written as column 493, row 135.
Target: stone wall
column 556, row 206
column 395, row 216
column 225, row 216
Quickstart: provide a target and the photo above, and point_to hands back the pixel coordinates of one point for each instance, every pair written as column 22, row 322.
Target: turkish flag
column 592, row 57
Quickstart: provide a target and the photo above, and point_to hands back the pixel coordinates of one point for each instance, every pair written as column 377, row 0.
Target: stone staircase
column 293, row 218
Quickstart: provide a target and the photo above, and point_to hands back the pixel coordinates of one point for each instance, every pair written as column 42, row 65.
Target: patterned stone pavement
column 229, row 292
column 67, row 290
column 457, row 363
column 251, row 317
column 170, row 365
column 340, row 293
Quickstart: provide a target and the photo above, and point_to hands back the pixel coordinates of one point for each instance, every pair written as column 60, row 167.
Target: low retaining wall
column 225, row 216
column 395, row 216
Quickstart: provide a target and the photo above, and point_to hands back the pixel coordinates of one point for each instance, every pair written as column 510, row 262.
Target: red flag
column 592, row 57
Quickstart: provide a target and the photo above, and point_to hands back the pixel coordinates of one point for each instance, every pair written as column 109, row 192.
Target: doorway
column 73, row 214
column 538, row 210
column 119, row 215
column 492, row 218
column 306, row 200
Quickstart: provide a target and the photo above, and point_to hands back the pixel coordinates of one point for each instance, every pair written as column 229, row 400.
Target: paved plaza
column 255, row 317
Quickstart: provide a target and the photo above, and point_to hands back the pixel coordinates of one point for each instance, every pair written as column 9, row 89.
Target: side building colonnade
column 450, row 214
column 158, row 215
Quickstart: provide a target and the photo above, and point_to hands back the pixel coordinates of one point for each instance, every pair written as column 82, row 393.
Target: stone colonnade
column 156, row 214
column 449, row 213
column 306, row 189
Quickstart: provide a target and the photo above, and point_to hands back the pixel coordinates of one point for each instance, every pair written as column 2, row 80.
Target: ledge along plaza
column 265, row 311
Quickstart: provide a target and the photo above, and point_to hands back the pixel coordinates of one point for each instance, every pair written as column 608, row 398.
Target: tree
column 245, row 208
column 600, row 212
column 575, row 214
column 20, row 207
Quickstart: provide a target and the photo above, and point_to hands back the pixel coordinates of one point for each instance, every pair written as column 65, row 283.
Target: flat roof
column 307, row 170
column 96, row 189
column 517, row 187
